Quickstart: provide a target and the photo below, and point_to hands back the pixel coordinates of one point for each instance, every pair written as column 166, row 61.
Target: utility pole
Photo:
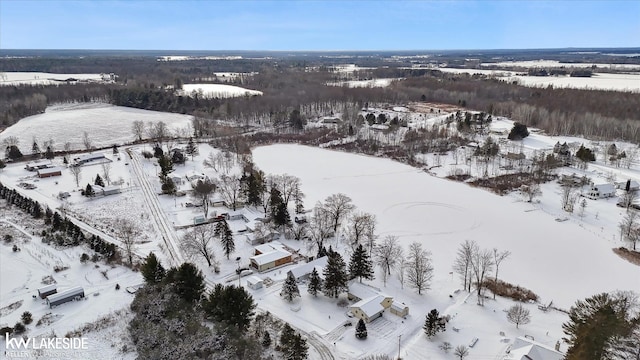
column 399, row 337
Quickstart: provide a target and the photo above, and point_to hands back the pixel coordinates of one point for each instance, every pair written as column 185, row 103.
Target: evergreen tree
column 360, row 265
column 49, row 153
column 225, row 235
column 518, row 132
column 231, row 305
column 187, row 281
column 275, row 201
column 192, row 148
column 292, row 345
column 13, row 153
column 57, row 222
column 433, row 323
column 152, row 270
column 88, row 191
column 99, row 181
column 361, row 330
column 281, row 216
column 315, row 283
column 335, row 276
column 266, row 339
column 35, row 149
column 602, row 327
column 290, row 289
column 585, row 154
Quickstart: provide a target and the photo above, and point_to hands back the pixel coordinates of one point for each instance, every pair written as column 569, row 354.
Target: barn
column 72, row 294
column 49, row 172
column 87, row 158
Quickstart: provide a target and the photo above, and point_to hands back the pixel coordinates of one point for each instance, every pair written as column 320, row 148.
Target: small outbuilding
column 254, row 282
column 399, row 309
column 49, row 172
column 38, row 164
column 45, row 291
column 72, row 294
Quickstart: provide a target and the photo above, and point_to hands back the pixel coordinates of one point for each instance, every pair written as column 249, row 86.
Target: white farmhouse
column 601, row 191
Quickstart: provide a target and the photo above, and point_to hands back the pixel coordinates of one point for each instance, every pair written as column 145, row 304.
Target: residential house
column 302, row 271
column 601, row 191
column 526, row 349
column 371, row 308
column 270, row 255
column 49, row 172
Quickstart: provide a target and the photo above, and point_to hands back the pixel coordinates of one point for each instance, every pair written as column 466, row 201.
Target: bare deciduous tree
column 86, row 140
column 482, row 265
column 339, row 206
column 419, row 268
column 568, row 198
column 127, row 231
column 498, row 257
column 518, row 314
column 106, row 172
column 462, row 264
column 202, row 191
column 138, row 129
column 198, row 241
column 461, row 352
column 229, row 187
column 530, row 191
column 401, row 270
column 76, row 171
column 360, row 225
column 388, row 253
column 211, row 161
column 320, row 225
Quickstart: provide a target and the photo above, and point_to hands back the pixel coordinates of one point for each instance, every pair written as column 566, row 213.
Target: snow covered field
column 555, row 63
column 364, row 83
column 39, row 78
column 560, row 261
column 219, row 90
column 599, row 81
column 105, row 124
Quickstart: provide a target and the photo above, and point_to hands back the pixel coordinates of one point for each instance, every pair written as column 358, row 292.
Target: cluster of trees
column 474, row 265
column 173, row 309
column 62, row 231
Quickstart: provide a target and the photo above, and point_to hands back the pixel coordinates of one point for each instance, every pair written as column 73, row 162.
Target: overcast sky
column 317, row 25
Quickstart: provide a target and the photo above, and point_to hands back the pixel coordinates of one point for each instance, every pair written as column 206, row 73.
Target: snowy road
column 162, row 222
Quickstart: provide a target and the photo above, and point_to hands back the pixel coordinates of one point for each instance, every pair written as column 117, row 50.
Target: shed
column 110, row 190
column 49, row 172
column 45, row 291
column 72, row 294
column 399, row 309
column 254, row 282
column 38, row 164
column 200, row 219
column 371, row 308
column 177, row 180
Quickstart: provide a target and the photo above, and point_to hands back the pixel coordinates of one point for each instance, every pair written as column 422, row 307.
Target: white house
column 87, row 158
column 601, row 191
column 525, row 349
column 38, row 164
column 302, row 271
column 632, row 184
column 371, row 308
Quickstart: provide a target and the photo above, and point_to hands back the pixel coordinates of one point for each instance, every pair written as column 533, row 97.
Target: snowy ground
column 105, row 124
column 555, row 63
column 552, row 258
column 219, row 90
column 560, row 261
